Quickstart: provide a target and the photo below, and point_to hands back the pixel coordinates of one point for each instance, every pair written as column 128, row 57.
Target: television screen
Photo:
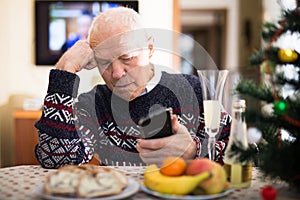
column 59, row 24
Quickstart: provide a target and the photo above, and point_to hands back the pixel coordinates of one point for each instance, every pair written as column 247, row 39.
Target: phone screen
column 157, row 125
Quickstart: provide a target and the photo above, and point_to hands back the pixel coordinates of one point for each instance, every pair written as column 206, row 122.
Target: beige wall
column 20, row 78
column 232, row 22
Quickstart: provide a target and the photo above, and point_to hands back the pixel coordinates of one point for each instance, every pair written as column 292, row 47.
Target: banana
column 178, row 185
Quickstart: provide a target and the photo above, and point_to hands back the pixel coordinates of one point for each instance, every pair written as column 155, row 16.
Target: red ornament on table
column 268, row 193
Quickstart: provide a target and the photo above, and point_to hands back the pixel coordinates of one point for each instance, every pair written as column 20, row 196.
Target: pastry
column 85, row 181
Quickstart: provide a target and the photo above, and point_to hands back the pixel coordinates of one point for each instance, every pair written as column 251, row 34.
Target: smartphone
column 157, row 124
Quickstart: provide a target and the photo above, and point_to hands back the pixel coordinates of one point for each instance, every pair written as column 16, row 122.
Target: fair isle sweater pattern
column 71, row 130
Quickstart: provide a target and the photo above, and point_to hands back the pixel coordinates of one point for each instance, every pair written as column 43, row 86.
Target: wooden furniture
column 26, row 137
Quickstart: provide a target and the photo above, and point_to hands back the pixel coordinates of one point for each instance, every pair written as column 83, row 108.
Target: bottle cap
column 239, row 103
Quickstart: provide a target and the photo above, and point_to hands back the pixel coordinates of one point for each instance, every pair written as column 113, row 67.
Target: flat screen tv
column 59, row 24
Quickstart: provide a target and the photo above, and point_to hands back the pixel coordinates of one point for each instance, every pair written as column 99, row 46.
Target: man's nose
column 118, row 70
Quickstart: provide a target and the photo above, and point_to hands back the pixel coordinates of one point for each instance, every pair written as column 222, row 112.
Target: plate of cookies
column 87, row 182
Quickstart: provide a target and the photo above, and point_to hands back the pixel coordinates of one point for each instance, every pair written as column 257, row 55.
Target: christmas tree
column 276, row 146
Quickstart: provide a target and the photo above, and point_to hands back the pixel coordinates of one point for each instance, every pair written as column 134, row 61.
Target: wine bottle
column 239, row 173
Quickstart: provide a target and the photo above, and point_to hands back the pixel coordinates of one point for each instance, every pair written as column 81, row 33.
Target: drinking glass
column 212, row 82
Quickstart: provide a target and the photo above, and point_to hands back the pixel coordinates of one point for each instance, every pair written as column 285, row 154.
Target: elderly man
column 103, row 121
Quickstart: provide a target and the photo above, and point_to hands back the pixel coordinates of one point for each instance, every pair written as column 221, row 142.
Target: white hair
column 113, row 21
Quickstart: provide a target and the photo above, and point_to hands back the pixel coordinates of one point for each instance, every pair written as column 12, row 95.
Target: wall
column 272, row 11
column 20, row 78
column 232, row 20
column 19, row 74
column 250, row 25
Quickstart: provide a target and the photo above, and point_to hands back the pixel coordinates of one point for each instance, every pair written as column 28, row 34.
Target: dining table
column 22, row 182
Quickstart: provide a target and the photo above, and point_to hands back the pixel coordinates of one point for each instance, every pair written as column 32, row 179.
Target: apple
column 216, row 183
column 268, row 193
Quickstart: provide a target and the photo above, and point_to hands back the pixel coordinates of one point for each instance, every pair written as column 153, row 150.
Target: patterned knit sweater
column 71, row 130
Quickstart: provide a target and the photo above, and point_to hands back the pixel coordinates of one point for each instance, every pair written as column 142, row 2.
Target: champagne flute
column 212, row 82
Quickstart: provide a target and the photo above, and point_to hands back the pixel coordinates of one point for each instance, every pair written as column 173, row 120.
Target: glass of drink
column 212, row 82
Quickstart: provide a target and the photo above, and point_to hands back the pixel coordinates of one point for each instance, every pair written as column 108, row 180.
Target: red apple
column 268, row 193
column 216, row 183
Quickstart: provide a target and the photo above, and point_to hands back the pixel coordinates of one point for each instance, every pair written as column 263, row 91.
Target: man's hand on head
column 79, row 56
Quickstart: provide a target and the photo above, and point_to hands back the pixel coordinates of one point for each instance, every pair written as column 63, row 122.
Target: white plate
column 131, row 189
column 185, row 197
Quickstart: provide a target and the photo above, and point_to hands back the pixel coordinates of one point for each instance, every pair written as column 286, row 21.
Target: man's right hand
column 79, row 56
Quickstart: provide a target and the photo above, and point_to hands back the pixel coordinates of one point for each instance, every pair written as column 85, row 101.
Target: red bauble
column 268, row 193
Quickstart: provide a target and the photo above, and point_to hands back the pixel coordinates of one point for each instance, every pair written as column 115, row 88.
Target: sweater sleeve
column 59, row 142
column 222, row 140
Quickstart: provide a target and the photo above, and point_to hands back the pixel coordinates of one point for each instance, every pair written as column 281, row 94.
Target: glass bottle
column 239, row 173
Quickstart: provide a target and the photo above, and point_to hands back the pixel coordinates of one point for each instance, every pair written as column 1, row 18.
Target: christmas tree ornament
column 254, row 135
column 287, row 55
column 268, row 193
column 279, row 107
column 267, row 110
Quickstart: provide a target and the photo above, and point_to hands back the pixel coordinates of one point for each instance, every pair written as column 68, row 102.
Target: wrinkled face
column 123, row 62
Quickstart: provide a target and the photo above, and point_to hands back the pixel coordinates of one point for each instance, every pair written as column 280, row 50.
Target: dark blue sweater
column 72, row 129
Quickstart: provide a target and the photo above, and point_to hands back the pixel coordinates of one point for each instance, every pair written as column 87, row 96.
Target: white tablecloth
column 21, row 182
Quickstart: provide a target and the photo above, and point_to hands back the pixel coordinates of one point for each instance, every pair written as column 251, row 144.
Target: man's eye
column 127, row 60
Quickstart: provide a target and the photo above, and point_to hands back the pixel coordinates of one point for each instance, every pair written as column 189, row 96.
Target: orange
column 173, row 166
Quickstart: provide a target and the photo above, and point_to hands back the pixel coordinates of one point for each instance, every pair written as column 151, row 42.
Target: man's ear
column 150, row 41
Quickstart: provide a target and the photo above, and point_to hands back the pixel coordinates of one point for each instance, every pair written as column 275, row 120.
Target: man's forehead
column 121, row 44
